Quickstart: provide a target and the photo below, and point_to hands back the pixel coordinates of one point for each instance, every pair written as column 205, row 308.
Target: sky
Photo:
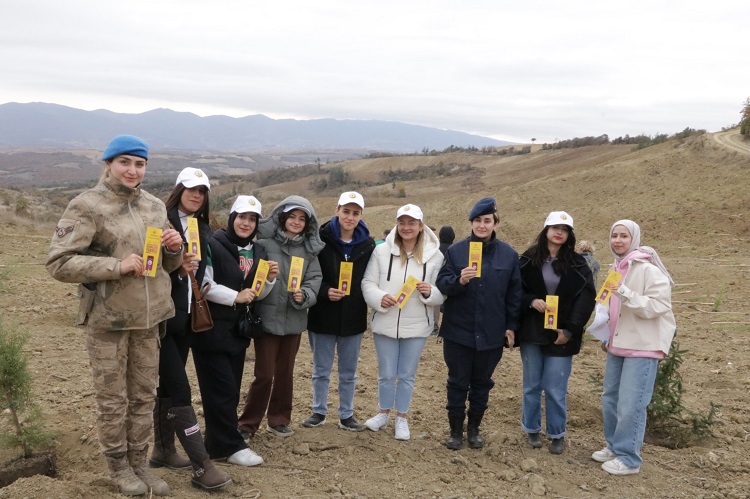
column 548, row 70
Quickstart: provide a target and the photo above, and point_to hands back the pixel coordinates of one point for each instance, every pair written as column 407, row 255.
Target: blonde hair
column 418, row 252
column 106, row 171
column 584, row 247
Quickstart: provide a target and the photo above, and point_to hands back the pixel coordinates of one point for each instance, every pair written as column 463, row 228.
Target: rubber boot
column 122, row 476
column 472, row 431
column 456, row 439
column 205, row 475
column 164, row 452
column 137, row 460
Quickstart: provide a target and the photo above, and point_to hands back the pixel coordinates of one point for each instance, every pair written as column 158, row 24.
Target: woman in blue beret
column 552, row 267
column 99, row 243
column 480, row 316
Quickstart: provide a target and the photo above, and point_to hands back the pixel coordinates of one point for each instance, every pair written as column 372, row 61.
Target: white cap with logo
column 352, row 197
column 193, row 177
column 559, row 218
column 246, row 204
column 410, row 210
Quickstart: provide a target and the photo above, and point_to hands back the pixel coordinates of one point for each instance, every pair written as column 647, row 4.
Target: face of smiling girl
column 295, row 224
column 192, row 199
column 620, row 240
column 244, row 224
column 129, row 170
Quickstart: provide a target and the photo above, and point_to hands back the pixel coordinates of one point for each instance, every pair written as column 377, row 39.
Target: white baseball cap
column 246, row 204
column 559, row 218
column 410, row 210
column 352, row 197
column 193, row 177
column 291, row 207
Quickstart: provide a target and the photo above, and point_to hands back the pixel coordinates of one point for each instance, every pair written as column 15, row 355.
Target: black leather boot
column 456, row 439
column 472, row 431
column 164, row 452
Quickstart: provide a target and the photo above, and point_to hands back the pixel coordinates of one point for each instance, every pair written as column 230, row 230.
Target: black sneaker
column 281, row 430
column 314, row 420
column 350, row 424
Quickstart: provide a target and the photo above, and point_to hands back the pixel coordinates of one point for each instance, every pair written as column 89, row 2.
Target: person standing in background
column 337, row 322
column 446, row 236
column 586, row 250
column 99, row 243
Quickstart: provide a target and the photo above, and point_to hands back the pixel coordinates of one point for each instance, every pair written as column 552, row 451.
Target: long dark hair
column 173, row 201
column 539, row 252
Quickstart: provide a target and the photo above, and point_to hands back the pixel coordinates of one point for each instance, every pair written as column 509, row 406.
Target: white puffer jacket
column 385, row 276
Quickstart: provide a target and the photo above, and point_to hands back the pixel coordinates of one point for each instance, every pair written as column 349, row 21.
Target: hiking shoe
column 604, row 455
column 402, row 429
column 435, row 330
column 378, row 421
column 557, row 446
column 617, row 467
column 350, row 424
column 245, row 457
column 534, row 440
column 314, row 420
column 281, row 430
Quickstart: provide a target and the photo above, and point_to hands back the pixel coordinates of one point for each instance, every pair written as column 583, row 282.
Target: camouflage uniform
column 122, row 313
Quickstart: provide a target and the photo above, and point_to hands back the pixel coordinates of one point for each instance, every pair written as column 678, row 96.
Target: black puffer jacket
column 576, row 302
column 347, row 316
column 447, row 235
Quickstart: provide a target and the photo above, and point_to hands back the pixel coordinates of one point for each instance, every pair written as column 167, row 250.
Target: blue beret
column 125, row 144
column 484, row 206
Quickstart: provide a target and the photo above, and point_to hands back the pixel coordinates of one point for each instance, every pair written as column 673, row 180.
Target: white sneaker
column 245, row 457
column 402, row 429
column 617, row 467
column 378, row 421
column 604, row 455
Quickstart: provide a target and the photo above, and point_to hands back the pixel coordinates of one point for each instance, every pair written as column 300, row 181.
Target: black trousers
column 173, row 380
column 469, row 377
column 220, row 380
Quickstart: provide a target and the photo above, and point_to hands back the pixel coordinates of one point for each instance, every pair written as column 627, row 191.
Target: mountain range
column 43, row 125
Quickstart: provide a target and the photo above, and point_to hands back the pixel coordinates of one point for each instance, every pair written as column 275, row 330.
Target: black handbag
column 250, row 326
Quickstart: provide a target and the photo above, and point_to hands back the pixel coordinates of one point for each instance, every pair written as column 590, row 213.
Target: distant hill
column 53, row 126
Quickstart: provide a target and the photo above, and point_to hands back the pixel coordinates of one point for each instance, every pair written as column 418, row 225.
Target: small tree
column 745, row 121
column 669, row 423
column 26, row 423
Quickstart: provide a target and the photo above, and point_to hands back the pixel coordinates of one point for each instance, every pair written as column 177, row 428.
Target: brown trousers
column 125, row 367
column 272, row 389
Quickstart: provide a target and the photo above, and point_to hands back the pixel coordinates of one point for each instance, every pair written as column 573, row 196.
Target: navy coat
column 478, row 314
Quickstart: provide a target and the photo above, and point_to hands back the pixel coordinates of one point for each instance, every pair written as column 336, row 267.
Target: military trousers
column 125, row 367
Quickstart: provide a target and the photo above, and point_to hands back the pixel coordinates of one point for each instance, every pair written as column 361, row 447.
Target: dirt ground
column 693, row 208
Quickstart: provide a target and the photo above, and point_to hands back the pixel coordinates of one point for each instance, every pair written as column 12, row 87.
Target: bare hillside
column 691, row 200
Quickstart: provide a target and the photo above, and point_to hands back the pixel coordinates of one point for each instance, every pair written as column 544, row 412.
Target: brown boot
column 137, row 460
column 164, row 452
column 205, row 474
column 122, row 476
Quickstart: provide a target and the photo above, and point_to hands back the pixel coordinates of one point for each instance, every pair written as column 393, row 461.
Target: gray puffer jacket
column 282, row 315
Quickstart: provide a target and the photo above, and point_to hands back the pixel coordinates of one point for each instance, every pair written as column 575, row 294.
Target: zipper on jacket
column 138, row 221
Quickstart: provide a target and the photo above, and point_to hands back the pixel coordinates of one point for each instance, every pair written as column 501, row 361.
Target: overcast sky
column 508, row 70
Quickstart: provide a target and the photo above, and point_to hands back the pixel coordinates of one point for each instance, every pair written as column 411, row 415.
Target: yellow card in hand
column 475, row 256
column 260, row 276
column 295, row 273
column 613, row 279
column 550, row 315
column 193, row 237
column 345, row 277
column 406, row 291
column 151, row 251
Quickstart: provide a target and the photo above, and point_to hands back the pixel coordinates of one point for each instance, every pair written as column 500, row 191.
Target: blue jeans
column 323, row 347
column 628, row 386
column 542, row 372
column 397, row 367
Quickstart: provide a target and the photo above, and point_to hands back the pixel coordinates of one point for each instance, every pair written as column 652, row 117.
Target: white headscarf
column 635, row 244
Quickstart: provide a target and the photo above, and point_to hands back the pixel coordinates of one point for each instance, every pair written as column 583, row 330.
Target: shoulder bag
column 200, row 314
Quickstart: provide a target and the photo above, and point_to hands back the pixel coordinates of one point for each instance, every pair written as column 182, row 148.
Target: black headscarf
column 232, row 235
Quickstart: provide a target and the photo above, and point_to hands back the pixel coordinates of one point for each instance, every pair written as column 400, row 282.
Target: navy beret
column 125, row 144
column 485, row 206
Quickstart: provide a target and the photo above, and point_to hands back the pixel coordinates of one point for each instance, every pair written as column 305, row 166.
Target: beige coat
column 100, row 227
column 646, row 320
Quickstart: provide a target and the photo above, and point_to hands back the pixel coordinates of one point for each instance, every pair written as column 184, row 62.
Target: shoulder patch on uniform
column 61, row 231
